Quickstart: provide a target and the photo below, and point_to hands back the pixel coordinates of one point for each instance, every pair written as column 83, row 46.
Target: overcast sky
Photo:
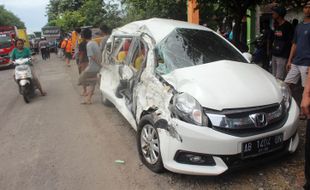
column 31, row 12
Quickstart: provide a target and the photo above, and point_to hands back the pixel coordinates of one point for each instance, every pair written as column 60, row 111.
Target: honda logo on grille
column 259, row 120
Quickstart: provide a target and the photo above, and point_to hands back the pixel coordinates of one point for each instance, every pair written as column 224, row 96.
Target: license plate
column 262, row 146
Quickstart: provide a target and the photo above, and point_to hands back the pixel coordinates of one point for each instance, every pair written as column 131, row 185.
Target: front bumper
column 225, row 149
column 5, row 63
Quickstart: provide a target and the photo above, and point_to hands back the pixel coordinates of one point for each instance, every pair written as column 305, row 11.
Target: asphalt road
column 56, row 143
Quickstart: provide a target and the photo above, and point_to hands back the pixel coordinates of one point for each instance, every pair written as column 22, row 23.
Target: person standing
column 105, row 31
column 76, row 39
column 63, row 46
column 281, row 46
column 89, row 76
column 68, row 51
column 302, row 50
column 83, row 60
column 299, row 59
column 43, row 46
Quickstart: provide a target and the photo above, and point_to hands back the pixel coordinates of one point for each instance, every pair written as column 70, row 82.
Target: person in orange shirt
column 76, row 40
column 63, row 46
column 68, row 50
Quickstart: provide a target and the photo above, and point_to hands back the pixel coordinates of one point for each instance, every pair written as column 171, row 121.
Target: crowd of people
column 288, row 49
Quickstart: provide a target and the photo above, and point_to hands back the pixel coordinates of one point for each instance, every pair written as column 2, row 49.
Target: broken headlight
column 187, row 109
column 286, row 93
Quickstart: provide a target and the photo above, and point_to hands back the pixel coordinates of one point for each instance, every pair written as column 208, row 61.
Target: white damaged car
column 198, row 106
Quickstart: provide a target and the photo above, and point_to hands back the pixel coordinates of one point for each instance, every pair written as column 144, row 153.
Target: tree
column 7, row 18
column 141, row 9
column 94, row 11
column 69, row 20
column 237, row 10
column 68, row 14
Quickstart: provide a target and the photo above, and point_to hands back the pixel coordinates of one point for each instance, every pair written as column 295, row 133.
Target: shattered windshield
column 189, row 47
column 5, row 41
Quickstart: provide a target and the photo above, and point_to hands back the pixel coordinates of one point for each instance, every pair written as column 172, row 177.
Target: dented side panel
column 150, row 93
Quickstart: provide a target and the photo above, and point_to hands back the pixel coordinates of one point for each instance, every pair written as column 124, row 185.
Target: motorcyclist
column 20, row 52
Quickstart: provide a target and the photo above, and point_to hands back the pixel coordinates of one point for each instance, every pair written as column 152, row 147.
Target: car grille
column 239, row 122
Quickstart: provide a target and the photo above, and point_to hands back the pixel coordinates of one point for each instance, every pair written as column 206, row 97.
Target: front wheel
column 149, row 146
column 26, row 98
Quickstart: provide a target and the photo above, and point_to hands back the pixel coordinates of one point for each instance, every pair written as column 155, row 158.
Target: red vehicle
column 7, row 35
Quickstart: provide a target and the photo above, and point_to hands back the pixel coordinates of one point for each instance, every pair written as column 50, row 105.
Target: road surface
column 55, row 143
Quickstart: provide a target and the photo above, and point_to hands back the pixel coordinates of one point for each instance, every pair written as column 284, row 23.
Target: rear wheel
column 24, row 90
column 149, row 145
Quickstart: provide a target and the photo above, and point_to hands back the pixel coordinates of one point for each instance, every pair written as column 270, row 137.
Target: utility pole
column 192, row 12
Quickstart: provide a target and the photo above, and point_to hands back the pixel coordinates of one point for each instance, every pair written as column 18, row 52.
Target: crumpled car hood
column 226, row 85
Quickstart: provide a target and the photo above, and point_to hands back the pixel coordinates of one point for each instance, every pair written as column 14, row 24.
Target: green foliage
column 94, row 11
column 143, row 9
column 68, row 14
column 113, row 17
column 7, row 18
column 69, row 20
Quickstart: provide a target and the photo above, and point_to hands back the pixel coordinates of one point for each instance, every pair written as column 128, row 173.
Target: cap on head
column 281, row 11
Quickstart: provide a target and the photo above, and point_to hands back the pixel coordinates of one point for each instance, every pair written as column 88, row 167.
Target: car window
column 120, row 48
column 189, row 47
column 139, row 56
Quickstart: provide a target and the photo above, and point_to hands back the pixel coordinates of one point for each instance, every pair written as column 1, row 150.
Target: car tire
column 105, row 101
column 146, row 125
column 26, row 98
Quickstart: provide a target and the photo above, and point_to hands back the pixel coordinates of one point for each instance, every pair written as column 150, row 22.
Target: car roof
column 158, row 28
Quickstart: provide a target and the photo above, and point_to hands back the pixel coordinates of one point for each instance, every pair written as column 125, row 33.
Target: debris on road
column 119, row 161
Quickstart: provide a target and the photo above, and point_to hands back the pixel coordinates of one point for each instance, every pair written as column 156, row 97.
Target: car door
column 115, row 67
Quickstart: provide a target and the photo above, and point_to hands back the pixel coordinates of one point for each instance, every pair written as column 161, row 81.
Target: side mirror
column 248, row 56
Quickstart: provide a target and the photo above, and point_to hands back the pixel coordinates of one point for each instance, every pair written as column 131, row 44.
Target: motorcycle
column 258, row 49
column 24, row 78
column 262, row 49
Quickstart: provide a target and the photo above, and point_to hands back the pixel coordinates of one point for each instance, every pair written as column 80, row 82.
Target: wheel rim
column 149, row 144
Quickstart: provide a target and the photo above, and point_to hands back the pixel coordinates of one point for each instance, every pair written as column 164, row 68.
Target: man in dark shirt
column 281, row 46
column 301, row 53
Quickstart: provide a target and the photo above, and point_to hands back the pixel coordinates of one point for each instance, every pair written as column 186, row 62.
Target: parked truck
column 22, row 34
column 7, row 39
column 52, row 34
